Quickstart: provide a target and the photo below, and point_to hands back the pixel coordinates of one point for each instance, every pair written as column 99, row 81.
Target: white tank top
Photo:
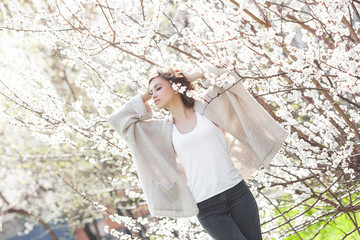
column 205, row 159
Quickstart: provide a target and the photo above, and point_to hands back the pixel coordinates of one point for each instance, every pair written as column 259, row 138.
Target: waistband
column 240, row 185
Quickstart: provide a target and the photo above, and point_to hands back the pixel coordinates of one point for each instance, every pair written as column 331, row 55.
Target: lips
column 157, row 101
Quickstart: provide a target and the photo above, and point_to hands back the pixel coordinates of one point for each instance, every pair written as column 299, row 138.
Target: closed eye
column 156, row 90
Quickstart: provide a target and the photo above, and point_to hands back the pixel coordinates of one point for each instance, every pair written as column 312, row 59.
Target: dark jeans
column 232, row 214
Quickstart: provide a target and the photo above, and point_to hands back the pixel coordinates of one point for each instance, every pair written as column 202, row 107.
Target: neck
column 179, row 111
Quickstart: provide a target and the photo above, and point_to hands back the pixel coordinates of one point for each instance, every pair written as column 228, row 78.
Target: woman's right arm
column 133, row 111
column 146, row 96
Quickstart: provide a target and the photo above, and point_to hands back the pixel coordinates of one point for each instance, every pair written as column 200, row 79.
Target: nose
column 154, row 96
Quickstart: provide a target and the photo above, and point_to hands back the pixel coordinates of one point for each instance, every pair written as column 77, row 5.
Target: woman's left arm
column 191, row 77
column 208, row 67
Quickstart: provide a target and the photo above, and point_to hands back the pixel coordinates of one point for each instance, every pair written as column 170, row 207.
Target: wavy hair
column 175, row 78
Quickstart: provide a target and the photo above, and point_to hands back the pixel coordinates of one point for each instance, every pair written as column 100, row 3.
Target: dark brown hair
column 174, row 78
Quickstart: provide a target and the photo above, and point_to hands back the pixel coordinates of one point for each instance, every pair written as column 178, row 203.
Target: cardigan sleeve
column 131, row 112
column 264, row 135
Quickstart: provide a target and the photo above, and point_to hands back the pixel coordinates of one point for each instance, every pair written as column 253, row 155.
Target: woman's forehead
column 155, row 81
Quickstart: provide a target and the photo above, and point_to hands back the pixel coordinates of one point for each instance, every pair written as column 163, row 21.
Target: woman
column 196, row 161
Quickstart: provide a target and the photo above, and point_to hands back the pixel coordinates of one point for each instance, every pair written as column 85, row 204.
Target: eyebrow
column 156, row 85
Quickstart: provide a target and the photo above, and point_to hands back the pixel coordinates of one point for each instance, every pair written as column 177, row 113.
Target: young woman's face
column 161, row 92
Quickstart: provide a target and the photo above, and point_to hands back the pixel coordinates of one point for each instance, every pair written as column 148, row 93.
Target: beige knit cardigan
column 253, row 138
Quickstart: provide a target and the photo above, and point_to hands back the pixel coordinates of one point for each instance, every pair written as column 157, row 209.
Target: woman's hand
column 177, row 72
